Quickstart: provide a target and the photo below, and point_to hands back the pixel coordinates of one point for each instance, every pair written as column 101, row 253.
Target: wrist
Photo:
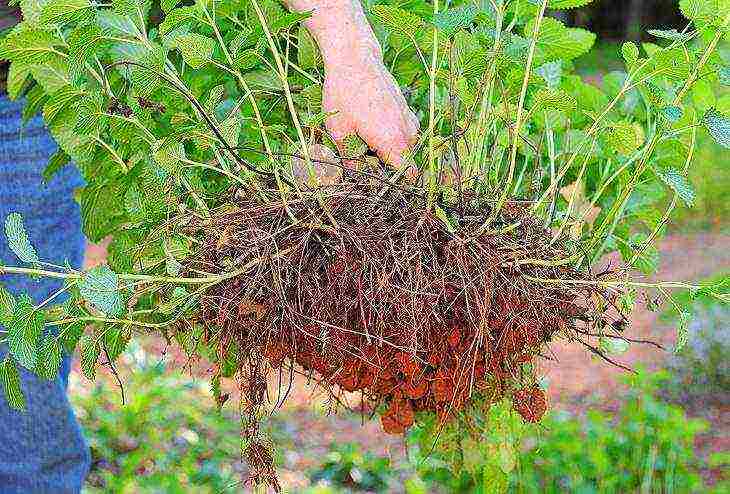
column 342, row 31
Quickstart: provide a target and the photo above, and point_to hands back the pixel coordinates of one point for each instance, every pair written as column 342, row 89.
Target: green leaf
column 630, row 52
column 62, row 99
column 723, row 74
column 70, row 333
column 30, row 45
column 18, row 239
column 34, row 102
column 682, row 331
column 115, row 341
column 168, row 5
column 55, row 163
column 85, row 41
column 556, row 99
column 552, row 72
column 65, row 11
column 196, row 49
column 178, row 17
column 678, row 183
column 7, row 306
column 308, row 54
column 168, row 154
column 672, row 113
column 24, row 332
column 91, row 115
column 398, row 20
column 451, row 20
column 623, row 137
column 100, row 286
column 101, row 205
column 671, row 34
column 90, row 351
column 10, row 378
column 49, row 358
column 556, row 41
column 52, row 75
column 568, row 4
column 17, row 77
column 719, row 127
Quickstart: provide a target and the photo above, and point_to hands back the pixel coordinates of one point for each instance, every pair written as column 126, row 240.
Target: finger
column 340, row 126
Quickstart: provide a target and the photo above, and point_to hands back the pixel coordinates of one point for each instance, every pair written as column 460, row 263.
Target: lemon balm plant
column 432, row 295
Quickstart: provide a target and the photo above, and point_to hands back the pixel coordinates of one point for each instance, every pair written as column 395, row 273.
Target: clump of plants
column 432, row 295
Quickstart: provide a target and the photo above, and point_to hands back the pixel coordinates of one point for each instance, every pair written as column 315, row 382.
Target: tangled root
column 416, row 311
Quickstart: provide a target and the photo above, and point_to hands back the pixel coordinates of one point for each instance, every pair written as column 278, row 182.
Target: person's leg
column 41, row 449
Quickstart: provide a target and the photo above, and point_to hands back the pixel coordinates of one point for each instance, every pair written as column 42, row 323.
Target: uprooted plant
column 429, row 296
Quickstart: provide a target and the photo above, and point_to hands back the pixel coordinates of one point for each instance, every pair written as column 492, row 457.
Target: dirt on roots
column 417, row 311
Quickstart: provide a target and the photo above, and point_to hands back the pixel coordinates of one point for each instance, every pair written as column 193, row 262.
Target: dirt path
column 577, row 374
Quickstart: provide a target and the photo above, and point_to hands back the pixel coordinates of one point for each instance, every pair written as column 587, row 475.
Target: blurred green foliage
column 646, row 446
column 168, row 437
column 347, row 466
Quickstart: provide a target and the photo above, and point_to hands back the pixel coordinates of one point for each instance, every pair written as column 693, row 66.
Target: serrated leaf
column 682, row 331
column 100, row 287
column 353, row 146
column 17, row 77
column 623, row 137
column 168, row 154
column 451, row 20
column 7, row 306
column 672, row 113
column 34, row 102
column 552, row 72
column 30, row 45
column 723, row 75
column 630, row 52
column 62, row 99
column 568, row 4
column 90, row 351
column 52, row 75
column 10, row 378
column 308, row 54
column 168, row 5
column 55, row 163
column 84, row 41
column 115, row 341
column 678, row 183
column 17, row 238
column 196, row 49
column 101, row 205
column 64, row 11
column 718, row 126
column 91, row 115
column 671, row 34
column 555, row 99
column 559, row 42
column 49, row 358
column 177, row 17
column 398, row 20
column 24, row 332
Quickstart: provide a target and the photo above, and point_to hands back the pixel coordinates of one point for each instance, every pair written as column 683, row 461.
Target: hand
column 368, row 102
column 357, row 86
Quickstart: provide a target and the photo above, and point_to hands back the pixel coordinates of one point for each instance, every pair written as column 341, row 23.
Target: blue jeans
column 42, row 449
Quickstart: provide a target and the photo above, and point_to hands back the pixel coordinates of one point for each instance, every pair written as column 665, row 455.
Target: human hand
column 366, row 101
column 358, row 88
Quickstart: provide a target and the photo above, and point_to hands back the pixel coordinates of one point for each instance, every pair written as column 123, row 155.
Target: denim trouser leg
column 41, row 449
